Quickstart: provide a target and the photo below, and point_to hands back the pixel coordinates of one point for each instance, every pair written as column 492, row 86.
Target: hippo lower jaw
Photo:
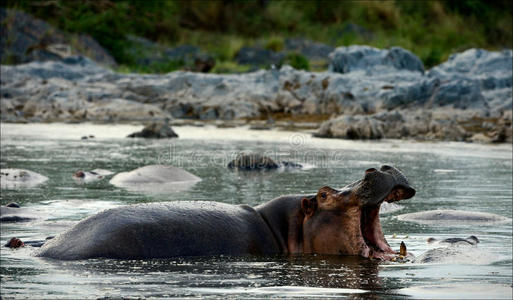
column 373, row 241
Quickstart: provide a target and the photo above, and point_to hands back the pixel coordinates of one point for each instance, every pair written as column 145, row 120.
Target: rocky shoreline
column 367, row 93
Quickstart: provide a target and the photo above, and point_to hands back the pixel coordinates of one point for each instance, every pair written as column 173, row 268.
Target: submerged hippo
column 471, row 240
column 256, row 161
column 455, row 251
column 20, row 178
column 12, row 212
column 344, row 221
column 452, row 217
column 155, row 179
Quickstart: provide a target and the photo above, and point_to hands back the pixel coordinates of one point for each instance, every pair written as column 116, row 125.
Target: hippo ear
column 400, row 192
column 309, row 206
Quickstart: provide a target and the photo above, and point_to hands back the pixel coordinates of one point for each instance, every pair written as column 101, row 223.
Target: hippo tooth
column 402, row 249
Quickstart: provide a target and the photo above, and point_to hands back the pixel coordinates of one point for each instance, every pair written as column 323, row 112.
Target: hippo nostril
column 370, row 170
column 385, row 168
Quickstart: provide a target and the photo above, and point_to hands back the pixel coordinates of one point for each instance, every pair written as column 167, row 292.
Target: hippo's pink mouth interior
column 371, row 231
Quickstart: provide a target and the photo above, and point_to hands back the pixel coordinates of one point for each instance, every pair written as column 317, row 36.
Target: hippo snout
column 386, row 184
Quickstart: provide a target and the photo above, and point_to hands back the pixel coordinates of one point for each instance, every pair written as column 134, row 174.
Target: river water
column 446, row 175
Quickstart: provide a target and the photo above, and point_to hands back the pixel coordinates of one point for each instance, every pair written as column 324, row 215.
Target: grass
column 431, row 29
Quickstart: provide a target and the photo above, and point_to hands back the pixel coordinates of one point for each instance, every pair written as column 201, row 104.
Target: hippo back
column 161, row 230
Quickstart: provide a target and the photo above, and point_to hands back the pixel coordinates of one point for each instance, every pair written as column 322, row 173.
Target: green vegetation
column 297, row 61
column 430, row 29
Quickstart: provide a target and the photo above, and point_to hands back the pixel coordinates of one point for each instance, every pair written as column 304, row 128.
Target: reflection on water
column 446, row 176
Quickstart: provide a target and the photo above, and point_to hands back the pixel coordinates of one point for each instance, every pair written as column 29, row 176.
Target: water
column 446, row 176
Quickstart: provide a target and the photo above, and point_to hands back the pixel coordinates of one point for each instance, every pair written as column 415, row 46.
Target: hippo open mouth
column 370, row 226
column 372, row 233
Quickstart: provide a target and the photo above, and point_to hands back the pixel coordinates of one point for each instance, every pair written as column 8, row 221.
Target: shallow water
column 446, row 176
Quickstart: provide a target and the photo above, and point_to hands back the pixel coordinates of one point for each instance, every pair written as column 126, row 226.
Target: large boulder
column 477, row 74
column 373, row 60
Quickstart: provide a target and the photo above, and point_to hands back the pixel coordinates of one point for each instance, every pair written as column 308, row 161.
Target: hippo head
column 346, row 221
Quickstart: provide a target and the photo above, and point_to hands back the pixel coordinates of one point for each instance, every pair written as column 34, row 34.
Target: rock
column 25, row 39
column 310, row 49
column 70, row 68
column 255, row 161
column 258, row 57
column 124, row 110
column 352, row 127
column 492, row 68
column 147, row 53
column 252, row 161
column 373, row 60
column 383, row 101
column 156, row 131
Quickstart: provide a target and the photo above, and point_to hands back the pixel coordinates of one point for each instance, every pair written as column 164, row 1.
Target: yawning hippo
column 344, row 221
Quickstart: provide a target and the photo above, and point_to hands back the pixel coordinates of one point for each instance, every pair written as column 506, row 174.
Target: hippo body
column 332, row 221
column 20, row 178
column 452, row 217
column 155, row 179
column 13, row 214
column 160, row 230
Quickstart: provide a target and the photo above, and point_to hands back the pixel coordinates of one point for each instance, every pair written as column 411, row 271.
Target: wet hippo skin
column 332, row 221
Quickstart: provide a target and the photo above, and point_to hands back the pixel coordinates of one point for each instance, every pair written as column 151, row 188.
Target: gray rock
column 156, row 131
column 258, row 57
column 396, row 124
column 352, row 127
column 373, row 60
column 71, row 68
column 310, row 49
column 395, row 103
column 252, row 161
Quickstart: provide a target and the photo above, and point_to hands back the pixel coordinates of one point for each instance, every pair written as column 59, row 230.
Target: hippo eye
column 323, row 195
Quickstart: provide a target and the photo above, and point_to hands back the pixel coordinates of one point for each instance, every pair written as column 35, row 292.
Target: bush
column 297, row 61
